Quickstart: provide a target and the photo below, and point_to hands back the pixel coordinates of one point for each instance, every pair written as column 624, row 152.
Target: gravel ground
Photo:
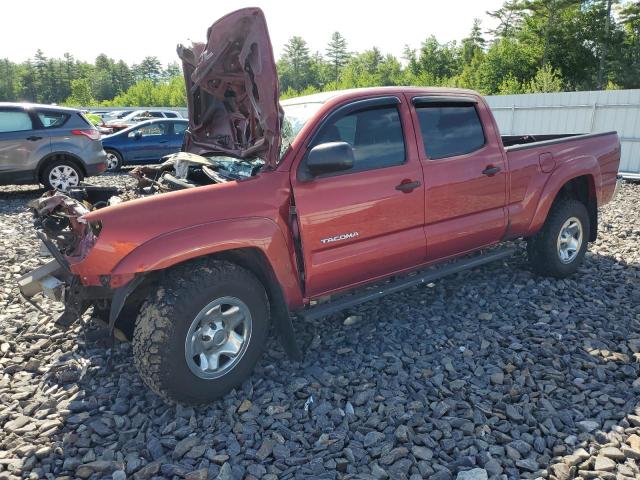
column 494, row 373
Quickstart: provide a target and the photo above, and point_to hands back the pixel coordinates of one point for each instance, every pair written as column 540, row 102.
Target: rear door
column 366, row 222
column 21, row 145
column 465, row 175
column 151, row 144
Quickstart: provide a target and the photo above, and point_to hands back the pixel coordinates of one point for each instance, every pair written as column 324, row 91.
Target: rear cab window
column 450, row 129
column 15, row 121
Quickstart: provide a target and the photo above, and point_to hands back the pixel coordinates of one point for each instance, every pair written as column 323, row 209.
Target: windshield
column 295, row 117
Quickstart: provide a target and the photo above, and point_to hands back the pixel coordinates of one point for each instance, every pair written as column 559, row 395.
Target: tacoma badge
column 343, row 236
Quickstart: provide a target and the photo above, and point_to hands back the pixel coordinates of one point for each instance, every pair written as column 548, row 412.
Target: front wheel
column 559, row 248
column 202, row 332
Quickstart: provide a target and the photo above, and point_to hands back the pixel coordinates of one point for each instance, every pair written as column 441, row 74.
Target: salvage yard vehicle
column 45, row 144
column 146, row 142
column 137, row 116
column 338, row 198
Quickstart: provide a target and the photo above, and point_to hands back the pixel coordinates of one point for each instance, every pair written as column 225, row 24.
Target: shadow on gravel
column 495, row 369
column 21, row 193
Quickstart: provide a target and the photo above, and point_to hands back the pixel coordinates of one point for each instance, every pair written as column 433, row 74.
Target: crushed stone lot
column 494, row 373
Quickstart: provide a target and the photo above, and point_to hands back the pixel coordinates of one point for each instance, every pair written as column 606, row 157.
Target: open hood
column 232, row 90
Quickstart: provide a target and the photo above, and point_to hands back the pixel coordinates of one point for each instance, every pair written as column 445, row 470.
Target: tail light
column 91, row 134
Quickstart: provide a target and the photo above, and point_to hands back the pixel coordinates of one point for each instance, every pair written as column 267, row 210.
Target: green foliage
column 546, row 80
column 146, row 93
column 81, row 95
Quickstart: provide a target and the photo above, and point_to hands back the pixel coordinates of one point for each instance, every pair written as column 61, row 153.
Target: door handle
column 34, row 138
column 407, row 186
column 163, row 141
column 491, row 170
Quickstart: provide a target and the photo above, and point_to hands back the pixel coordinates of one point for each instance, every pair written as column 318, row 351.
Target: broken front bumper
column 49, row 279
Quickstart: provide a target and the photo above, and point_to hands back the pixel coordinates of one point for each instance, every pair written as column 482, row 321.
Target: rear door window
column 14, row 121
column 170, row 115
column 449, row 130
column 52, row 119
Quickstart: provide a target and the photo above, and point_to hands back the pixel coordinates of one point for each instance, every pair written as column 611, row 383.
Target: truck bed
column 521, row 142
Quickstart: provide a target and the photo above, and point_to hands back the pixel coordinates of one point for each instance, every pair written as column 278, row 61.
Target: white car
column 137, row 116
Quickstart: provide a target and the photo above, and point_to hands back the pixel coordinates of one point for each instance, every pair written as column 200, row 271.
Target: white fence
column 575, row 112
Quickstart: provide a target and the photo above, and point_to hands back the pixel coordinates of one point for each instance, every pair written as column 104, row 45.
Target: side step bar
column 426, row 276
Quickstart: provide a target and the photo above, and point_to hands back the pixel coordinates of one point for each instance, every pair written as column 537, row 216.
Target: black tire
column 117, row 158
column 159, row 340
column 542, row 248
column 46, row 177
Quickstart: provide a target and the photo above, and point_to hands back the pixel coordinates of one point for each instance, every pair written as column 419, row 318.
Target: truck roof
column 323, row 97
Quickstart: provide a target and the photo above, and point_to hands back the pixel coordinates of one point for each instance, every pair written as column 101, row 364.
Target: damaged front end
column 67, row 237
column 233, row 134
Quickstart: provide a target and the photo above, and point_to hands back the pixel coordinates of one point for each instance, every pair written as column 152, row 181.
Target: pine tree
column 337, row 54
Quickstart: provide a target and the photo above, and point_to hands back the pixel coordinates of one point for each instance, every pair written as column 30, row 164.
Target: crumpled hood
column 232, row 90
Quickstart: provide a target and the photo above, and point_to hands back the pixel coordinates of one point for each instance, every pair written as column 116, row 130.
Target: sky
column 131, row 30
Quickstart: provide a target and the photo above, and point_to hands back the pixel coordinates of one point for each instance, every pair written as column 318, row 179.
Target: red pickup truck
column 308, row 207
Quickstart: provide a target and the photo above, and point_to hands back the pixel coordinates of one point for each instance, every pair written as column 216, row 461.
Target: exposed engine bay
column 187, row 170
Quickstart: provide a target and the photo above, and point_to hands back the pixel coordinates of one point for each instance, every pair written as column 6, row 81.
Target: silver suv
column 54, row 146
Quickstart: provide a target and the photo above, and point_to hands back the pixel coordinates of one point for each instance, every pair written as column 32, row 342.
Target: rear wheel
column 114, row 161
column 559, row 248
column 202, row 332
column 62, row 175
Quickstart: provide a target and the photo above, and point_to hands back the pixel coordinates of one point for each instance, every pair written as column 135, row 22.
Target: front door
column 365, row 222
column 465, row 175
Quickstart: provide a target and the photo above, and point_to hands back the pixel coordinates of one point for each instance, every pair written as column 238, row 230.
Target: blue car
column 145, row 142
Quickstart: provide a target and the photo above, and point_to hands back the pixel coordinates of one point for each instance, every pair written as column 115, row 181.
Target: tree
column 546, row 80
column 439, row 60
column 149, row 69
column 80, row 93
column 173, row 70
column 509, row 18
column 474, row 43
column 294, row 64
column 337, row 54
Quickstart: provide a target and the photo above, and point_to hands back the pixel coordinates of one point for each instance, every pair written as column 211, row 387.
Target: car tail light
column 92, row 133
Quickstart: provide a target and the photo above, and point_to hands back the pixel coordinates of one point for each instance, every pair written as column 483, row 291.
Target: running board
column 394, row 286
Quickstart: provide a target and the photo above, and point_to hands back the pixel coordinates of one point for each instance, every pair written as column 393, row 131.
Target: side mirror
column 137, row 135
column 330, row 157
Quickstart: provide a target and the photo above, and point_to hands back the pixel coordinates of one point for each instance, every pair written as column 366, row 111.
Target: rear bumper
column 97, row 167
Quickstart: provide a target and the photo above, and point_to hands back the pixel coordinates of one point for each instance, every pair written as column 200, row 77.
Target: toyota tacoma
column 306, row 207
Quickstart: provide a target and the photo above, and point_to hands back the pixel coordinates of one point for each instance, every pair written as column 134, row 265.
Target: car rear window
column 52, row 119
column 450, row 130
column 14, row 121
